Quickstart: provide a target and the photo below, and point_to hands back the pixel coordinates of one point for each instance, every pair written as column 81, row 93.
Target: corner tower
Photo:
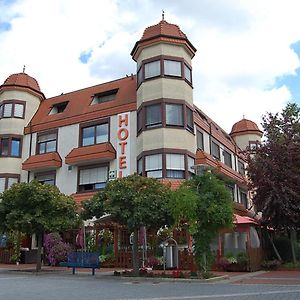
column 246, row 134
column 165, row 125
column 20, row 97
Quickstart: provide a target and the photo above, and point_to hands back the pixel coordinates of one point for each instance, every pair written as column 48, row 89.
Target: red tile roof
column 163, row 28
column 22, row 80
column 245, row 126
column 163, row 32
column 47, row 161
column 96, row 153
column 79, row 109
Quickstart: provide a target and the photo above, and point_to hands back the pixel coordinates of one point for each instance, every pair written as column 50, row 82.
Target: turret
column 20, row 97
column 246, row 134
column 166, row 140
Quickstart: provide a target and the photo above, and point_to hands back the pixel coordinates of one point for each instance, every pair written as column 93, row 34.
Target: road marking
column 217, row 295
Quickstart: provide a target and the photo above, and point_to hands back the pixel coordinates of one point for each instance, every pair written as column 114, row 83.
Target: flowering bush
column 153, row 261
column 55, row 249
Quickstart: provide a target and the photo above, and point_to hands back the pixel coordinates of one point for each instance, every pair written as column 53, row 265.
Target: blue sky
column 247, row 61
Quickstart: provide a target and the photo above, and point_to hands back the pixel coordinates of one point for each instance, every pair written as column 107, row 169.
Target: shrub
column 55, row 249
column 270, row 264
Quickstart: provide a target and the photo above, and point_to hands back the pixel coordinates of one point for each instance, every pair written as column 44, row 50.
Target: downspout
column 30, row 147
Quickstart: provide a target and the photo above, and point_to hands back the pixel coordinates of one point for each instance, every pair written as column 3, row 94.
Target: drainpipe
column 30, row 146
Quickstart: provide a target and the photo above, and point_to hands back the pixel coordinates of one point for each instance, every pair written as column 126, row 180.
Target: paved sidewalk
column 259, row 277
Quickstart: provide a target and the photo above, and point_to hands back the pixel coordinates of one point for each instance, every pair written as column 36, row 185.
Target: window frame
column 179, row 113
column 142, row 115
column 93, row 124
column 10, row 138
column 39, row 134
column 164, row 151
column 95, row 97
column 213, row 143
column 161, row 58
column 246, row 198
column 86, row 167
column 227, row 153
column 6, row 176
column 36, row 175
column 241, row 166
column 12, row 114
column 202, row 139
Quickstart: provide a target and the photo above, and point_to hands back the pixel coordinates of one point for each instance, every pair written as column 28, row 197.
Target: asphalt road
column 24, row 286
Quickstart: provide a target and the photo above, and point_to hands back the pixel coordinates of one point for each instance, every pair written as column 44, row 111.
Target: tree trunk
column 39, row 252
column 135, row 259
column 18, row 246
column 293, row 238
column 274, row 247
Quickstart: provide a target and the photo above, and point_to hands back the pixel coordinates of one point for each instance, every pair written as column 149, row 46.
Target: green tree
column 274, row 171
column 33, row 208
column 205, row 205
column 134, row 201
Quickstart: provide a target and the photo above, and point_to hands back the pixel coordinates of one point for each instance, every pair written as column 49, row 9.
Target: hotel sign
column 123, row 145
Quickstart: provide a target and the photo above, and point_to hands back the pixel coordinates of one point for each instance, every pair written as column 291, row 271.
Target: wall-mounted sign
column 123, row 146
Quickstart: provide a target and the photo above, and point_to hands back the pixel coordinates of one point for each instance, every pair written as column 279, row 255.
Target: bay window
column 153, row 165
column 200, row 143
column 10, row 146
column 92, row 178
column 12, row 109
column 175, row 165
column 189, row 119
column 152, row 69
column 172, row 68
column 187, row 73
column 153, row 115
column 174, row 114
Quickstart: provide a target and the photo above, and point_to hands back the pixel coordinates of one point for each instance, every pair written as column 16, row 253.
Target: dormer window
column 58, row 108
column 104, row 97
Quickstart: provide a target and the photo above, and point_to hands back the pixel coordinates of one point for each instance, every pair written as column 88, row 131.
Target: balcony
column 91, row 154
column 206, row 161
column 42, row 162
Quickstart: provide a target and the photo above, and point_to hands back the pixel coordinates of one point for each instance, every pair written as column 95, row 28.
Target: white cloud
column 243, row 47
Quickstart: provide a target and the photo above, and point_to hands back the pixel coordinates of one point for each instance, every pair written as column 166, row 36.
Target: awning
column 244, row 220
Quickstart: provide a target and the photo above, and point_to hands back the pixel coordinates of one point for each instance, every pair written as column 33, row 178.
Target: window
column 6, row 181
column 139, row 120
column 10, row 146
column 104, row 97
column 200, row 143
column 46, row 143
column 175, row 165
column 172, row 68
column 244, row 199
column 253, row 145
column 152, row 69
column 140, row 167
column 153, row 115
column 139, row 76
column 191, row 163
column 12, row 109
column 215, row 150
column 241, row 168
column 189, row 119
column 91, row 179
column 227, row 159
column 187, row 73
column 58, row 108
column 230, row 189
column 46, row 178
column 96, row 134
column 174, row 114
column 153, row 165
